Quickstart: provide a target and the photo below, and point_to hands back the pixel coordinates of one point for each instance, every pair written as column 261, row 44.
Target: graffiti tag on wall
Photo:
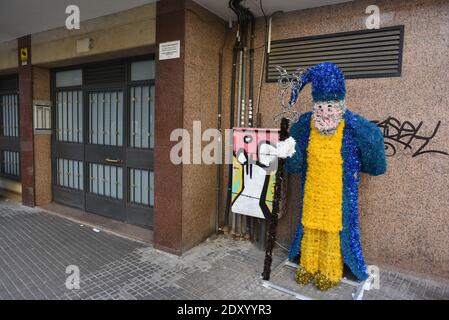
column 405, row 134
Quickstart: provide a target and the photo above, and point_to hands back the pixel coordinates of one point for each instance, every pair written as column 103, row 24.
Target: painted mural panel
column 254, row 171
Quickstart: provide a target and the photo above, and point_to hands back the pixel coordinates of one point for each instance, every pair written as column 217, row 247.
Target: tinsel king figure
column 329, row 147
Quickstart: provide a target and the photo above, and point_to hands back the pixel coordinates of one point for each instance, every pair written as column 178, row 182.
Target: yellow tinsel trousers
column 321, row 257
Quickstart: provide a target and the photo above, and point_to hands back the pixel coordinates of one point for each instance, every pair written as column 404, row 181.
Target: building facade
column 87, row 117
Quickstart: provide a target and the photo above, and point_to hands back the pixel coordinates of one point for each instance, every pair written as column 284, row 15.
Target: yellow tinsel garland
column 322, row 211
column 323, row 190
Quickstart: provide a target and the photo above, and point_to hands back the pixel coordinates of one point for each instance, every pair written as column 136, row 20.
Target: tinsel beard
column 321, row 125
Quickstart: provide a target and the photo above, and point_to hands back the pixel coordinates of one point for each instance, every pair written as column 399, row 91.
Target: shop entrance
column 103, row 139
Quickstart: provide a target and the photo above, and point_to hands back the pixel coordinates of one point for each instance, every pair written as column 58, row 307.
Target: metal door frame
column 132, row 157
column 8, row 143
column 97, row 153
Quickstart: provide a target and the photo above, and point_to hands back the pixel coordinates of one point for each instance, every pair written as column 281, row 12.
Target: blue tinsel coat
column 362, row 151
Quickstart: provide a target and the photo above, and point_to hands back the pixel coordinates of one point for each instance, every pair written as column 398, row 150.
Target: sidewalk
column 36, row 247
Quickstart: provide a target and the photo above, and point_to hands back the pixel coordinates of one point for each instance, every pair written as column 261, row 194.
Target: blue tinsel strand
column 300, row 131
column 328, row 83
column 350, row 235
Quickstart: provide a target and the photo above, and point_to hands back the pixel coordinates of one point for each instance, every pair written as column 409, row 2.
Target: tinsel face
column 327, row 115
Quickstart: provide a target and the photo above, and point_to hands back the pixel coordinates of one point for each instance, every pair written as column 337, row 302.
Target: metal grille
column 106, row 180
column 69, row 116
column 142, row 117
column 11, row 163
column 116, row 113
column 70, row 174
column 141, row 185
column 9, row 83
column 360, row 54
column 106, row 118
column 105, row 73
column 9, row 115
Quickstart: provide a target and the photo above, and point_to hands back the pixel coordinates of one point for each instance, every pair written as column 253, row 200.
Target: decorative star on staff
column 286, row 88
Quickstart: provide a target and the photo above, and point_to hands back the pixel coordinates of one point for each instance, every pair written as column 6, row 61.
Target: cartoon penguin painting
column 254, row 169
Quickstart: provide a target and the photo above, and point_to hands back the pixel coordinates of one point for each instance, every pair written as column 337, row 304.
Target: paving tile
column 38, row 247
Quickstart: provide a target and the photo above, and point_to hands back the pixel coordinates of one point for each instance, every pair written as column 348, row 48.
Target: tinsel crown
column 328, row 83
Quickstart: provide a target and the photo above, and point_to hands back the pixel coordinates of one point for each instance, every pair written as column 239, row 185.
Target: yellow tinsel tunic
column 322, row 210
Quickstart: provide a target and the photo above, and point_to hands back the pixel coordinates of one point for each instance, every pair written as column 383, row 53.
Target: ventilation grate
column 9, row 83
column 360, row 54
column 105, row 74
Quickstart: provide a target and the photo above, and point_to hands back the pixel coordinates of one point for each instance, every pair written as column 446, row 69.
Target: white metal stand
column 361, row 287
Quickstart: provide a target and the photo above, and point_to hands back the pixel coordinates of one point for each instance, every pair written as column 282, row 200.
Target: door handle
column 115, row 161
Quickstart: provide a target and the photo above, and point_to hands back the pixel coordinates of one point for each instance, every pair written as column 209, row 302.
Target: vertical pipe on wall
column 241, row 116
column 240, row 44
column 219, row 128
column 242, row 225
column 231, row 125
column 250, row 220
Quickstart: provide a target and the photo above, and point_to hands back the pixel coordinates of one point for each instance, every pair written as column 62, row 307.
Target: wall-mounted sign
column 24, row 56
column 169, row 50
column 42, row 116
column 84, row 45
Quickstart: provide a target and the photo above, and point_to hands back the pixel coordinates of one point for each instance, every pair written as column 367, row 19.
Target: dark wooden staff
column 273, row 219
